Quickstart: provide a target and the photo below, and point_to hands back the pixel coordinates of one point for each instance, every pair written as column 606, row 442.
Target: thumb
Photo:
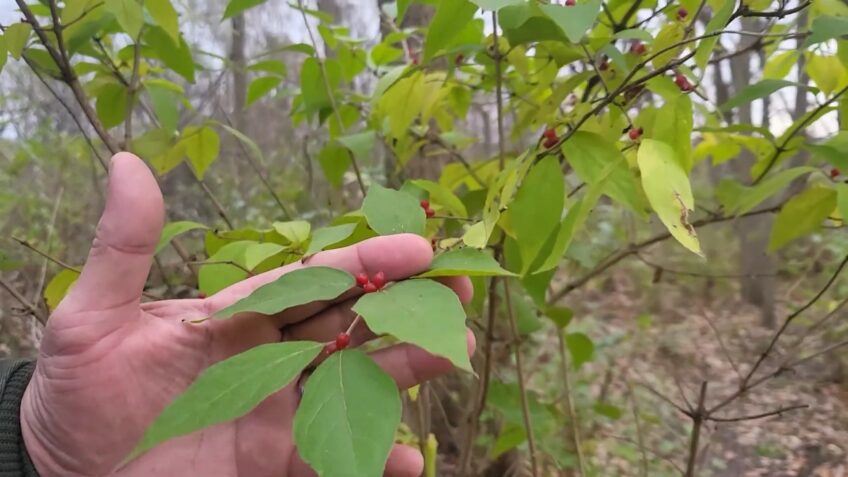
column 126, row 236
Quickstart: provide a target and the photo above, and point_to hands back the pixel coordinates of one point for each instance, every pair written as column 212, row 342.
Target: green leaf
column 58, row 287
column 4, row 52
column 526, row 23
column 7, row 263
column 335, row 160
column 717, row 22
column 441, row 195
column 313, row 89
column 295, row 231
column 346, row 421
column 826, row 28
column 756, row 91
column 237, row 6
column 257, row 253
column 532, row 223
column 422, row 312
column 465, row 261
column 202, row 148
column 392, row 212
column 667, row 186
column 360, row 144
column 607, row 410
column 112, row 104
column 129, row 15
column 495, row 5
column 176, row 228
column 294, row 288
column 574, row 20
column 17, row 36
column 580, row 347
column 328, row 236
column 561, row 316
column 779, row 65
column 228, row 390
column 842, row 201
column 174, row 55
column 260, row 87
column 673, row 125
column 754, row 196
column 163, row 12
column 801, row 215
column 164, row 102
column 451, row 16
column 275, row 67
column 510, row 437
column 250, row 143
column 589, row 154
column 212, row 278
column 670, row 34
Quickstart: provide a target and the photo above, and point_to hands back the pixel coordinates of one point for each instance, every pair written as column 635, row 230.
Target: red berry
column 415, row 60
column 682, row 82
column 603, row 66
column 201, row 295
column 425, row 204
column 834, row 173
column 550, row 133
column 634, row 133
column 433, row 244
column 459, row 59
column 682, row 13
column 550, row 142
column 429, row 212
column 570, row 3
column 330, row 347
column 361, row 279
column 638, row 48
column 369, row 287
column 342, row 340
column 379, row 280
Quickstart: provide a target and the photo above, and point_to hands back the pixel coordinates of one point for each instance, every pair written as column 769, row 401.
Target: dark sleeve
column 14, row 377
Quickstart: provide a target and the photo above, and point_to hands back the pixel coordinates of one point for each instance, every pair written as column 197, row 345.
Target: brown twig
column 53, row 259
column 752, row 417
column 222, row 262
column 330, row 94
column 32, row 309
column 697, row 424
column 570, row 411
column 522, row 385
column 215, row 202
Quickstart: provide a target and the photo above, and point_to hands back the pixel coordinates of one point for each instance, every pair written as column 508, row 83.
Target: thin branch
column 697, row 423
column 69, row 77
column 745, row 11
column 218, row 206
column 639, row 433
column 45, row 255
column 131, row 92
column 746, row 383
column 32, row 309
column 258, row 170
column 222, row 262
column 330, row 94
column 616, row 257
column 522, row 386
column 795, row 130
column 652, row 390
column 50, row 230
column 721, row 344
column 499, row 98
column 570, row 411
column 752, row 417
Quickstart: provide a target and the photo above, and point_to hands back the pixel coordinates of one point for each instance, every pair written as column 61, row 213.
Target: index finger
column 397, row 256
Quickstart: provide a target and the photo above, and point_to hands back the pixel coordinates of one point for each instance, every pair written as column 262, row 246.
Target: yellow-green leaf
column 202, row 148
column 801, row 215
column 260, row 87
column 129, row 15
column 537, row 209
column 163, row 12
column 667, row 186
column 670, row 34
column 58, row 287
column 17, row 36
column 176, row 228
column 465, row 262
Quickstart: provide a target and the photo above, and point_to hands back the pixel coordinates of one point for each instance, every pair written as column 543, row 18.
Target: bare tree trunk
column 758, row 284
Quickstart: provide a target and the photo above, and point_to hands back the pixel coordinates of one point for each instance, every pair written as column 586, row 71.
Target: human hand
column 109, row 364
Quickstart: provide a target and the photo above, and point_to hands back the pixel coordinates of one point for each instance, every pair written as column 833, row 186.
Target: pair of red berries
column 370, row 285
column 551, row 138
column 425, row 204
column 634, row 133
column 342, row 341
column 834, row 173
column 682, row 13
column 682, row 82
column 638, row 48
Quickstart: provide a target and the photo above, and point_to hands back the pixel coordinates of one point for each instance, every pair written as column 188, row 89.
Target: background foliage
column 656, row 189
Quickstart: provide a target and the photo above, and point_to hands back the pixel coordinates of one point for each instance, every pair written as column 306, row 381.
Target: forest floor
column 669, row 344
